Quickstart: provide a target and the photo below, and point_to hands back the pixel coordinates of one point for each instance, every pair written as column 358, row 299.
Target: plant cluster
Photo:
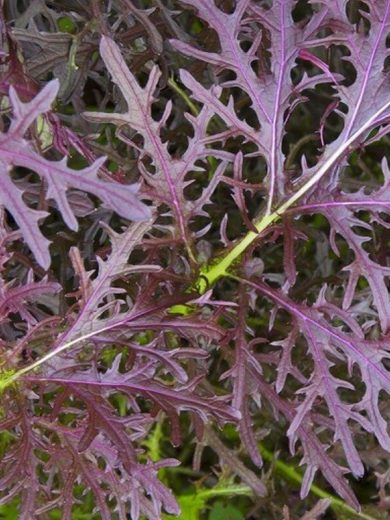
column 194, row 256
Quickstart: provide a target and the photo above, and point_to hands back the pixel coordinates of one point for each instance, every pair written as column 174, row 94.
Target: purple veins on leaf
column 226, row 304
column 16, row 150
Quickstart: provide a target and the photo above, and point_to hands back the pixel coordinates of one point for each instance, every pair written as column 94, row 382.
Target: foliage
column 194, row 232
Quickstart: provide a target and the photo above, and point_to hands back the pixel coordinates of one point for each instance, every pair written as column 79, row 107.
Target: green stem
column 237, row 489
column 209, row 276
column 290, row 473
column 7, row 378
column 186, row 98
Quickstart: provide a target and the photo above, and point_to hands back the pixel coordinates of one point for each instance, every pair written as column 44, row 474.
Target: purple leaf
column 59, row 178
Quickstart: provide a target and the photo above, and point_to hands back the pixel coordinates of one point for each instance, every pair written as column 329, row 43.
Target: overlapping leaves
column 134, row 342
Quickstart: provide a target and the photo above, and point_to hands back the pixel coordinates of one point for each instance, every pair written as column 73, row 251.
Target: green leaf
column 9, row 511
column 66, row 24
column 222, row 511
column 192, row 504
